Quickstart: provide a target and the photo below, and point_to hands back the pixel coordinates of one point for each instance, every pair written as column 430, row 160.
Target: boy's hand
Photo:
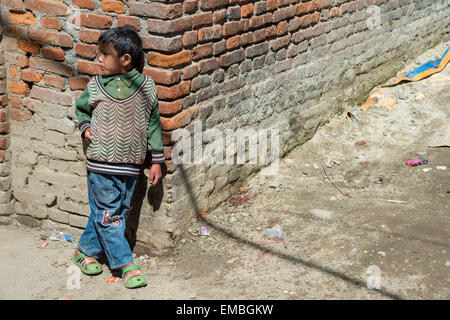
column 88, row 134
column 155, row 173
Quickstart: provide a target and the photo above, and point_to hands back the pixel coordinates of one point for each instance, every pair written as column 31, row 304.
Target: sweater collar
column 128, row 78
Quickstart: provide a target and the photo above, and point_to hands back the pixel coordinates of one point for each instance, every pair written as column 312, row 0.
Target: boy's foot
column 88, row 265
column 131, row 276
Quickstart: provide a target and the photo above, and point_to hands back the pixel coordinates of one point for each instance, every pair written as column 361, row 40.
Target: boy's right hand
column 88, row 134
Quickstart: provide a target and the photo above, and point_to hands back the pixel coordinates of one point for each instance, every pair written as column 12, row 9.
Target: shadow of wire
column 310, row 264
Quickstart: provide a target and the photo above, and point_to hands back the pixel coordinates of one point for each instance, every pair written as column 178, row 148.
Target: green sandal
column 88, row 265
column 132, row 282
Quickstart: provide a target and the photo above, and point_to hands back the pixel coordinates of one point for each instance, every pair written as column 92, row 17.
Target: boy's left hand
column 155, row 173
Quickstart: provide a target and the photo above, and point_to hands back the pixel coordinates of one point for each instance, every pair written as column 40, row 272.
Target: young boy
column 118, row 114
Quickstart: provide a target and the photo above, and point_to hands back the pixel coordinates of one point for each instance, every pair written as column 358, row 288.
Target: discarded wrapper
column 68, row 237
column 112, row 279
column 43, row 244
column 204, row 231
column 416, row 162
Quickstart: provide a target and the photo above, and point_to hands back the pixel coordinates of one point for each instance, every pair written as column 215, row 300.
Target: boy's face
column 111, row 63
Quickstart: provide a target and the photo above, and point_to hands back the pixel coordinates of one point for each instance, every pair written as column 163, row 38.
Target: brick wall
column 290, row 64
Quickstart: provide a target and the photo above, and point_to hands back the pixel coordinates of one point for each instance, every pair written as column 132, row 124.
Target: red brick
column 280, row 42
column 18, row 88
column 86, row 50
column 15, row 102
column 17, row 4
column 282, row 28
column 3, row 115
column 190, row 6
column 84, row 4
column 190, row 38
column 50, row 23
column 164, row 44
column 22, row 18
column 2, row 159
column 258, row 21
column 15, row 31
column 29, row 47
column 202, row 51
column 213, row 4
column 170, row 108
column 202, row 19
column 94, row 21
column 163, row 76
column 113, row 6
column 88, row 67
column 234, row 42
column 31, row 76
column 190, row 72
column 51, row 96
column 132, row 21
column 272, row 5
column 230, row 58
column 54, row 81
column 246, row 38
column 220, row 17
column 89, row 36
column 4, row 143
column 52, row 66
column 334, row 12
column 271, row 31
column 173, row 92
column 13, row 73
column 78, row 83
column 305, row 7
column 169, row 61
column 210, row 33
column 53, row 38
column 53, row 53
column 56, row 8
column 169, row 26
column 20, row 115
column 3, row 86
column 21, row 60
column 4, row 127
column 247, row 10
column 179, row 120
column 232, row 28
column 320, row 4
column 208, row 65
column 155, row 10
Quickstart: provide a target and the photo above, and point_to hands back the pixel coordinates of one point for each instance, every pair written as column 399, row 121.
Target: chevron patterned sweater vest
column 119, row 127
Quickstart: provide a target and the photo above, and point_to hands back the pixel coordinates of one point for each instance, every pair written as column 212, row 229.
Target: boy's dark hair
column 124, row 40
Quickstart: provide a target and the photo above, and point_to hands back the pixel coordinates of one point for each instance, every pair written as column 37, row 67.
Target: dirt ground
column 391, row 234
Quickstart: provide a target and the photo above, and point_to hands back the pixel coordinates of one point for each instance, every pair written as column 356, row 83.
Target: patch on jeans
column 107, row 219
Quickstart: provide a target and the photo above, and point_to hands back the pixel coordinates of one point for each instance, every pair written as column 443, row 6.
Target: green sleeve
column 83, row 110
column 154, row 136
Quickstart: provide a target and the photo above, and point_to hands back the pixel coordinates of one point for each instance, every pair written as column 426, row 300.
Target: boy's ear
column 125, row 60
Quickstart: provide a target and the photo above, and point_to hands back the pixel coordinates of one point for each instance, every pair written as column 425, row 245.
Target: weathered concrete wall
column 6, row 201
column 286, row 64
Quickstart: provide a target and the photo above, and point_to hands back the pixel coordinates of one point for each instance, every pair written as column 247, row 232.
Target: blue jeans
column 110, row 202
